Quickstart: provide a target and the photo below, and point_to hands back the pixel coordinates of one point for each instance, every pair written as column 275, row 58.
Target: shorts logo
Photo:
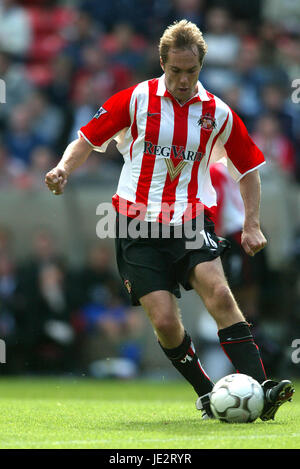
column 100, row 111
column 207, row 121
column 127, row 285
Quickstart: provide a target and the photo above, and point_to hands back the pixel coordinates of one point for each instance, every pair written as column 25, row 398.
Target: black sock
column 239, row 346
column 185, row 360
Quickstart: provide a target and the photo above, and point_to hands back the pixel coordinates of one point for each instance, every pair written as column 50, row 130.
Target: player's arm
column 107, row 124
column 253, row 239
column 74, row 156
column 243, row 160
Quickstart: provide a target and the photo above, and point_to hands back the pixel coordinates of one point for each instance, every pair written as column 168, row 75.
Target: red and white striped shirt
column 167, row 149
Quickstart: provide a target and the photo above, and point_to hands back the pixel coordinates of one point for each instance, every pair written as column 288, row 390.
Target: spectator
column 99, row 170
column 109, row 326
column 222, row 43
column 289, row 55
column 271, row 68
column 95, row 78
column 30, row 178
column 102, row 76
column 59, row 90
column 98, row 281
column 279, row 150
column 15, row 29
column 235, row 97
column 82, row 33
column 279, row 201
column 273, row 99
column 124, row 47
column 42, row 158
column 223, row 46
column 52, row 348
column 6, row 240
column 44, row 252
column 46, row 321
column 192, row 10
column 20, row 137
column 83, row 106
column 104, row 12
column 46, row 118
column 17, row 87
column 12, row 170
column 284, row 14
column 246, row 68
column 12, row 314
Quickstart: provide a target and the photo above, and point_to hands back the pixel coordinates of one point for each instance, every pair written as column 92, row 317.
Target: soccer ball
column 237, row 398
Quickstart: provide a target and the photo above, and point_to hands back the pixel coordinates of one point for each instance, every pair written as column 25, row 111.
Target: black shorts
column 150, row 264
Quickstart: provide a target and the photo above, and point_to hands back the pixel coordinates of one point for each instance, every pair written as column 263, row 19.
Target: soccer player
column 166, row 129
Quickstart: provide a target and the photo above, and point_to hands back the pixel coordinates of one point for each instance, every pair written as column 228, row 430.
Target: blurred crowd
column 60, row 60
column 58, row 319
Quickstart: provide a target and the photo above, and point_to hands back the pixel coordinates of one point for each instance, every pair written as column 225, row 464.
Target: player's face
column 181, row 73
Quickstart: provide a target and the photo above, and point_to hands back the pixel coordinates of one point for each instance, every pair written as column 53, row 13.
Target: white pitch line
column 145, row 440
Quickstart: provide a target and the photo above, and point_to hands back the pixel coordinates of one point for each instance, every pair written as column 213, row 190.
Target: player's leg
column 162, row 310
column 150, row 281
column 234, row 332
column 209, row 281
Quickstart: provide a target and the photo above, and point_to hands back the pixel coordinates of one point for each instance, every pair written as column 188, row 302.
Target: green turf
column 85, row 413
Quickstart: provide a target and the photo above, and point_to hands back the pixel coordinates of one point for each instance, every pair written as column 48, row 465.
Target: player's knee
column 221, row 300
column 165, row 323
column 164, row 326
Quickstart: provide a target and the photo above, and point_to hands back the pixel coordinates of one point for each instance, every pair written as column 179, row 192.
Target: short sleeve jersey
column 167, row 149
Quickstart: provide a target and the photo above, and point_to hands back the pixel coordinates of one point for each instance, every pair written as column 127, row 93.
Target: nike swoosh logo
column 153, row 114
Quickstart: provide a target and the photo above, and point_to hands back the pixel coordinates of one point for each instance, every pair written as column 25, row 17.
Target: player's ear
column 161, row 63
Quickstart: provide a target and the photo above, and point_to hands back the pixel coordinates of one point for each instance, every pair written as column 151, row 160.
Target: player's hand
column 56, row 179
column 253, row 240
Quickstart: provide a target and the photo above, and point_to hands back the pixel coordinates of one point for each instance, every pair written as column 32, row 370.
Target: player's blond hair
column 182, row 35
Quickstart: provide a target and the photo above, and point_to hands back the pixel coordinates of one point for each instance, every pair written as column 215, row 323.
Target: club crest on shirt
column 100, row 111
column 207, row 121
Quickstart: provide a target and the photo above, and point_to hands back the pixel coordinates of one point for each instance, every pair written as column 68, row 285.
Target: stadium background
column 62, row 308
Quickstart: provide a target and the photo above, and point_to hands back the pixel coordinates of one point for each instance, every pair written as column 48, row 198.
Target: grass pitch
column 84, row 413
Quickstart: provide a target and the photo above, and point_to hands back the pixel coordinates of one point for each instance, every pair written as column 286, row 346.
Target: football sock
column 239, row 346
column 186, row 361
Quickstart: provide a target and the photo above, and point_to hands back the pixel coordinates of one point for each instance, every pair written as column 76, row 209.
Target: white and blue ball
column 237, row 398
